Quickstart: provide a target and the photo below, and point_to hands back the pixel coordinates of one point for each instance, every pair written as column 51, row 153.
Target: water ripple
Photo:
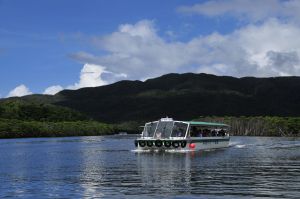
column 106, row 167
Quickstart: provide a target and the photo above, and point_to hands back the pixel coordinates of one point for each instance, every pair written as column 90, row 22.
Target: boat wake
column 237, row 145
column 179, row 151
column 240, row 146
column 140, row 151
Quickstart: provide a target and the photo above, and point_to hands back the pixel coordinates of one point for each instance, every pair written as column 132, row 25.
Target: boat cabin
column 167, row 128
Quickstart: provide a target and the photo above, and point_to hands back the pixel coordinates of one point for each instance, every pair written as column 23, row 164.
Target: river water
column 106, row 167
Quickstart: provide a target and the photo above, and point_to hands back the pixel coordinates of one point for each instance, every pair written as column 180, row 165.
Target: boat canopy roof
column 195, row 123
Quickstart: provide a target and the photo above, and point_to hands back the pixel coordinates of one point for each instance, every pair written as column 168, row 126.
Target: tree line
column 12, row 128
column 259, row 125
column 241, row 126
column 19, row 118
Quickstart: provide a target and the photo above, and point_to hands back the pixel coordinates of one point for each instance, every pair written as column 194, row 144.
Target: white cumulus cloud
column 90, row 76
column 19, row 91
column 270, row 48
column 52, row 90
column 137, row 51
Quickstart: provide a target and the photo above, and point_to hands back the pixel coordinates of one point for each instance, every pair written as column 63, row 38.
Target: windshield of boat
column 149, row 129
column 164, row 129
column 179, row 129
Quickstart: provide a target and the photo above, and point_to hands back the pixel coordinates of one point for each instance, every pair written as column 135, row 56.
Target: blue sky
column 70, row 44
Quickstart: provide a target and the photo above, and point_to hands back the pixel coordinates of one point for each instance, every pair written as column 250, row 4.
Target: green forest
column 26, row 119
column 251, row 106
column 19, row 118
column 11, row 128
column 259, row 125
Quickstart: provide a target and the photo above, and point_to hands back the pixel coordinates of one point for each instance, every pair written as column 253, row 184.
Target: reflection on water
column 105, row 167
column 163, row 172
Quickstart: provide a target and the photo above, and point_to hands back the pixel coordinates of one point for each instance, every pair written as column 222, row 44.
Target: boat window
column 206, row 132
column 196, row 131
column 179, row 129
column 164, row 129
column 149, row 129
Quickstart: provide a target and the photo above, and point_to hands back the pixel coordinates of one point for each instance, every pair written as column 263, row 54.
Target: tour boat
column 167, row 134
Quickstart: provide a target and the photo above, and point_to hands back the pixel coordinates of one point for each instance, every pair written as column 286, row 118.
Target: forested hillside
column 186, row 96
column 271, row 105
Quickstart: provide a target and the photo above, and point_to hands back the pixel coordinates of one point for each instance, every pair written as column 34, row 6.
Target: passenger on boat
column 158, row 134
column 179, row 133
column 193, row 131
column 222, row 132
column 199, row 133
column 206, row 133
column 213, row 133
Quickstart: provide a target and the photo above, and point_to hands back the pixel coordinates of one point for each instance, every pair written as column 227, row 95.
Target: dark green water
column 105, row 167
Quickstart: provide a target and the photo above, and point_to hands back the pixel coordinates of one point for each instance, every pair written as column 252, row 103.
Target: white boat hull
column 212, row 144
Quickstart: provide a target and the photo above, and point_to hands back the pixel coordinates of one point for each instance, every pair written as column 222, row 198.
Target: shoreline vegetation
column 240, row 126
column 259, row 125
column 21, row 119
column 12, row 128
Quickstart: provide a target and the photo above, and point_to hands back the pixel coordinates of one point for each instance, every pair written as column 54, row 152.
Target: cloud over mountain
column 19, row 91
column 265, row 44
column 90, row 76
column 138, row 51
column 52, row 90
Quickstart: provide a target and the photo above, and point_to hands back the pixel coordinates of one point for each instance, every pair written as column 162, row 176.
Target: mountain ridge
column 182, row 96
